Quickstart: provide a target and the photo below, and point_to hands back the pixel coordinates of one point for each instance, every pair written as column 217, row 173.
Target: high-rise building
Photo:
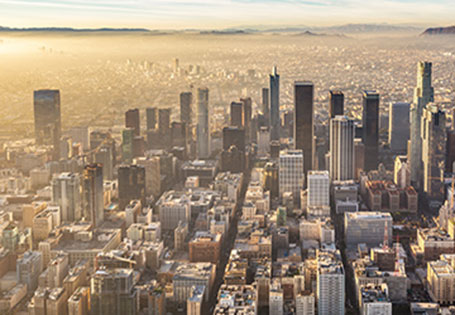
column 28, row 269
column 367, row 227
column 247, row 113
column 303, row 123
column 131, row 184
column 127, row 144
column 399, row 127
column 342, row 152
column 66, row 192
column 203, row 128
column 112, row 292
column 276, row 300
column 423, row 94
column 237, row 114
column 304, row 304
column 266, row 106
column 275, row 105
column 132, row 120
column 291, row 174
column 441, row 281
column 450, row 150
column 336, row 103
column 48, row 128
column 151, row 117
column 152, row 174
column 233, row 136
column 370, row 121
column 330, row 282
column 434, row 138
column 164, row 120
column 104, row 156
column 318, row 188
column 93, row 194
column 186, row 111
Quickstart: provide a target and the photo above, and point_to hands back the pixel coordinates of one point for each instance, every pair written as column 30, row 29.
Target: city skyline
column 184, row 14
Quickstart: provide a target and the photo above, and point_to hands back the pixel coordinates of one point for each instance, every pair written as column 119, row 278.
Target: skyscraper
column 318, row 188
column 275, row 104
column 303, row 122
column 47, row 114
column 399, row 127
column 151, row 117
column 434, row 137
column 186, row 100
column 336, row 103
column 203, row 128
column 164, row 120
column 266, row 106
column 423, row 94
column 291, row 174
column 237, row 114
column 247, row 112
column 93, row 194
column 370, row 121
column 66, row 192
column 132, row 120
column 342, row 133
column 131, row 184
column 127, row 144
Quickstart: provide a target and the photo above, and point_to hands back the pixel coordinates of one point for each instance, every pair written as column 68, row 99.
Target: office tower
column 263, row 141
column 112, row 292
column 48, row 128
column 188, row 275
column 79, row 302
column 287, row 128
column 93, row 194
column 303, row 122
column 336, row 103
column 434, row 138
column 247, row 113
column 237, row 114
column 132, row 120
column 401, row 171
column 399, row 127
column 127, row 144
column 370, row 121
column 104, row 156
column 450, row 150
column 152, row 174
column 367, row 227
column 423, row 94
column 330, row 283
column 178, row 134
column 233, row 136
column 80, row 135
column 318, row 188
column 304, row 304
column 151, row 117
column 266, row 106
column 164, row 120
column 66, row 192
column 342, row 151
column 131, row 184
column 233, row 154
column 291, row 174
column 156, row 299
column 203, row 128
column 275, row 104
column 28, row 269
column 276, row 299
column 186, row 112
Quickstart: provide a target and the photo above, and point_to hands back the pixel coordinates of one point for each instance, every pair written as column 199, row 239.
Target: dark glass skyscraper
column 370, row 120
column 336, row 103
column 92, row 194
column 132, row 120
column 275, row 105
column 303, row 122
column 131, row 184
column 266, row 106
column 237, row 114
column 186, row 100
column 47, row 114
column 151, row 117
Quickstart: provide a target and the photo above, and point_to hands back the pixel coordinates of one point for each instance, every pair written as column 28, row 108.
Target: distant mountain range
column 70, row 29
column 302, row 29
column 450, row 30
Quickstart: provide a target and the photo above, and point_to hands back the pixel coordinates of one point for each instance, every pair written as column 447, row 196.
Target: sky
column 182, row 14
